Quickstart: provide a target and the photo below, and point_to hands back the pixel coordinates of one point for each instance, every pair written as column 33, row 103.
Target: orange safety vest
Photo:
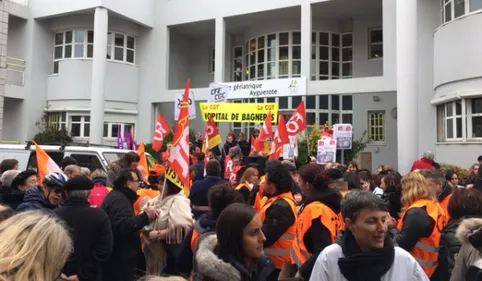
column 194, row 238
column 299, row 252
column 426, row 249
column 259, row 195
column 241, row 185
column 279, row 252
column 142, row 193
column 445, row 206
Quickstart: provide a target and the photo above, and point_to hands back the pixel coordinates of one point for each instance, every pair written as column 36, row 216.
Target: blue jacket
column 199, row 193
column 34, row 200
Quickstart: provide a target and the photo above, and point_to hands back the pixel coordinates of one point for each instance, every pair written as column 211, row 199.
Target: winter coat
column 394, row 202
column 422, row 164
column 125, row 226
column 199, row 193
column 416, row 224
column 211, row 268
column 199, row 167
column 245, row 147
column 34, row 200
column 404, row 267
column 448, row 249
column 11, row 197
column 469, row 232
column 92, row 236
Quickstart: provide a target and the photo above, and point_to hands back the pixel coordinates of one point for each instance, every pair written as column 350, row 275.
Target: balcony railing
column 21, row 2
column 15, row 71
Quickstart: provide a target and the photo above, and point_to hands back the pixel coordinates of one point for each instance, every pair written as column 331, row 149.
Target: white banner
column 191, row 102
column 266, row 88
column 343, row 134
column 326, row 151
column 218, row 93
column 290, row 150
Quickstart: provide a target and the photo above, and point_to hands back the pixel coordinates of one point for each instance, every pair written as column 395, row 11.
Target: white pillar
column 99, row 61
column 407, row 116
column 306, row 41
column 220, row 50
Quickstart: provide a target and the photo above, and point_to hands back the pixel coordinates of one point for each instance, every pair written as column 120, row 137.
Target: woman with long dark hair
column 235, row 252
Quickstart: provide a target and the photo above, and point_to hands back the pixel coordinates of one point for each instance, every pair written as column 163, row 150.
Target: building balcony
column 15, row 71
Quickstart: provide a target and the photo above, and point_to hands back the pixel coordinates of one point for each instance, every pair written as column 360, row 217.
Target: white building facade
column 389, row 67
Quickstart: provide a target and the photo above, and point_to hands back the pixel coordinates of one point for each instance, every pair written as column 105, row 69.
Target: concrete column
column 306, row 41
column 99, row 63
column 4, row 16
column 407, row 116
column 220, row 50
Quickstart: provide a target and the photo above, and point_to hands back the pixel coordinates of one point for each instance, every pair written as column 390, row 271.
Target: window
column 212, row 61
column 375, row 43
column 79, row 44
column 346, row 55
column 452, row 9
column 57, row 156
column 80, row 126
column 376, row 126
column 90, row 161
column 111, row 129
column 238, row 63
column 460, row 120
column 57, row 120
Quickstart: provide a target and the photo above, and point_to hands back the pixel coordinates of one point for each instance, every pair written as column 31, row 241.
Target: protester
column 219, row 197
column 125, row 226
column 100, row 190
column 318, row 218
column 66, row 162
column 84, row 171
column 199, row 190
column 352, row 167
column 247, row 181
column 426, row 162
column 93, row 241
column 7, row 178
column 278, row 215
column 8, row 164
column 46, row 196
column 235, row 252
column 72, row 171
column 365, row 252
column 391, row 186
column 440, row 186
column 199, row 166
column 470, row 234
column 5, row 212
column 34, row 247
column 470, row 180
column 13, row 195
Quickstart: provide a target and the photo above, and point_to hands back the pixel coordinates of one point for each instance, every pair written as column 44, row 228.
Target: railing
column 21, row 2
column 15, row 71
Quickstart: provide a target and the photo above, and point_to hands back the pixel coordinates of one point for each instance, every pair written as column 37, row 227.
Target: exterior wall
column 11, row 114
column 462, row 154
column 4, row 8
column 383, row 152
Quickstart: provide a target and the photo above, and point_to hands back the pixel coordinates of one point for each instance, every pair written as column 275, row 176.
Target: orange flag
column 45, row 164
column 213, row 136
column 142, row 166
column 178, row 162
column 265, row 133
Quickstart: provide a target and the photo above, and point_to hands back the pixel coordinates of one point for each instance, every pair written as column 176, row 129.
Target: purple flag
column 119, row 137
column 129, row 139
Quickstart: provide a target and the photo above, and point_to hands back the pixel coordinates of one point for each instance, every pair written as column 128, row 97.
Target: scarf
column 365, row 266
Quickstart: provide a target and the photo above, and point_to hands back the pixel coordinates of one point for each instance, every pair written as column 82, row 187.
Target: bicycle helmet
column 55, row 179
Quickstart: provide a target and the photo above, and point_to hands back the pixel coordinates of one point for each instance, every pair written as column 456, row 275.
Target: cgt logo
column 217, row 94
column 179, row 102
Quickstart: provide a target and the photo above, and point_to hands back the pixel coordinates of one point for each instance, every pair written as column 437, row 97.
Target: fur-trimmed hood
column 210, row 266
column 470, row 230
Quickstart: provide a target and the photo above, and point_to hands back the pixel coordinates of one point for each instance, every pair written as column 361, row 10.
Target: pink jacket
column 97, row 195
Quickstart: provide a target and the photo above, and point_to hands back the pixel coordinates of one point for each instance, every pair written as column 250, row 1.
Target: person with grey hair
column 8, row 176
column 365, row 250
column 72, row 171
column 93, row 242
column 439, row 185
column 84, row 171
column 424, row 163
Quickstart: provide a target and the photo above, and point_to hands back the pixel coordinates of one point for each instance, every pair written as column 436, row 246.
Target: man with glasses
column 46, row 196
column 118, row 205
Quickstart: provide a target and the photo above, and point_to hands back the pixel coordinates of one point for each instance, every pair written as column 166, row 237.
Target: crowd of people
column 245, row 218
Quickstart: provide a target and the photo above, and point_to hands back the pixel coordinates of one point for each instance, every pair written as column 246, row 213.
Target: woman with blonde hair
column 421, row 222
column 34, row 247
column 247, row 181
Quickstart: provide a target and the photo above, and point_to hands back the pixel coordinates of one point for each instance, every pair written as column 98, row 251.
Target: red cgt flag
column 265, row 133
column 213, row 136
column 178, row 162
column 160, row 132
column 297, row 122
column 280, row 138
column 253, row 145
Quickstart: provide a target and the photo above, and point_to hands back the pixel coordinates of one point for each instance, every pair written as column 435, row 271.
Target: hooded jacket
column 34, row 200
column 470, row 234
column 211, row 268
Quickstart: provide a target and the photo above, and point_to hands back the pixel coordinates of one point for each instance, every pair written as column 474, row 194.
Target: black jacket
column 199, row 167
column 125, row 228
column 92, row 236
column 11, row 197
column 245, row 147
column 393, row 199
column 416, row 224
column 186, row 254
column 318, row 236
column 279, row 217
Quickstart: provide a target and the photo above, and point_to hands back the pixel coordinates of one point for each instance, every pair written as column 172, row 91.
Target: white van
column 92, row 157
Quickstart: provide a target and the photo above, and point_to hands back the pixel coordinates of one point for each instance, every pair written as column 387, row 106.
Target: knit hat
column 78, row 183
column 22, row 177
